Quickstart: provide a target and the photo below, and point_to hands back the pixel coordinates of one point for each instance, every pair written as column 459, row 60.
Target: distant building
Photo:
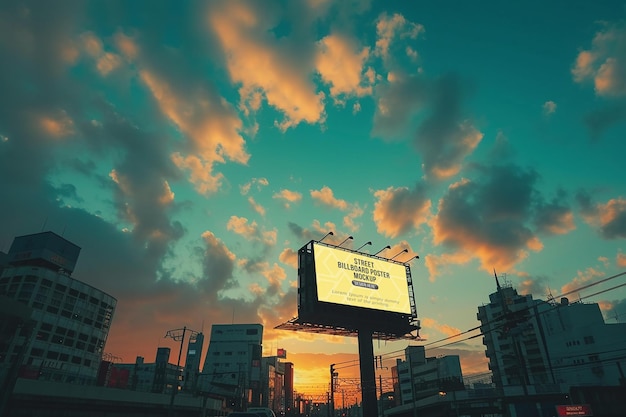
column 288, row 386
column 232, row 366
column 191, row 371
column 512, row 333
column 71, row 319
column 156, row 377
column 419, row 377
column 276, row 384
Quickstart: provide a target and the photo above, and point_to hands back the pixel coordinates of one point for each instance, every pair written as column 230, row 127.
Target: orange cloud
column 259, row 63
column 56, row 125
column 604, row 62
column 289, row 257
column 445, row 329
column 435, row 263
column 388, row 28
column 609, row 217
column 288, row 197
column 106, row 62
column 326, row 197
column 583, row 278
column 621, row 260
column 256, row 206
column 341, row 66
column 250, row 231
column 398, row 210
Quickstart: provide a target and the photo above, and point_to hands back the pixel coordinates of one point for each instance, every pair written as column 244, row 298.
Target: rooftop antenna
column 497, row 282
column 43, row 226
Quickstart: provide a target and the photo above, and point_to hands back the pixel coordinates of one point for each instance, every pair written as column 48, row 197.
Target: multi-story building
column 276, row 382
column 288, row 381
column 191, row 371
column 157, row 377
column 512, row 333
column 539, row 350
column 232, row 366
column 70, row 319
column 582, row 348
column 419, row 377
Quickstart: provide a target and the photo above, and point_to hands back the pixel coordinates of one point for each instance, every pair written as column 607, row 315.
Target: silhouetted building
column 538, row 349
column 192, row 363
column 156, row 377
column 71, row 318
column 420, row 377
column 288, row 387
column 232, row 367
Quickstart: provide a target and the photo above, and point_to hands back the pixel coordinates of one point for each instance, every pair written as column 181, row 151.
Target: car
column 262, row 411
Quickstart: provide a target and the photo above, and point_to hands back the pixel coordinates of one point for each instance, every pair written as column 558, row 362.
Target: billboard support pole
column 368, row 374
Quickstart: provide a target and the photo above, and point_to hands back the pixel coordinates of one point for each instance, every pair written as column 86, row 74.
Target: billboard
column 360, row 280
column 339, row 288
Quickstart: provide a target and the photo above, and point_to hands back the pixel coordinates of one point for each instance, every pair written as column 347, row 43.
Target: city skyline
column 190, row 149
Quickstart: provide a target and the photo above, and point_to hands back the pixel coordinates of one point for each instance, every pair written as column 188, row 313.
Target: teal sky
column 190, row 148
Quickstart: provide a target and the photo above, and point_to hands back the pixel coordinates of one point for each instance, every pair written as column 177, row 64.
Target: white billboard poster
column 361, row 281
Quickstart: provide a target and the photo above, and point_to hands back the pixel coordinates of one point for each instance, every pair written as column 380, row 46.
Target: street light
column 326, row 235
column 365, row 244
column 386, row 247
column 399, row 253
column 345, row 240
column 415, row 257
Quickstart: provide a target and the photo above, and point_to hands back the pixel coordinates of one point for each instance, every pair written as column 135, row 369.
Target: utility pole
column 331, row 406
column 178, row 334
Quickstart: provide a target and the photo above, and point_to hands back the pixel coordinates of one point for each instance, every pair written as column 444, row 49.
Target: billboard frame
column 342, row 319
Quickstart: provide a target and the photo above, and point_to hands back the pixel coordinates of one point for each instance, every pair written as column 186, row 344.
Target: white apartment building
column 583, row 349
column 70, row 319
column 419, row 377
column 232, row 365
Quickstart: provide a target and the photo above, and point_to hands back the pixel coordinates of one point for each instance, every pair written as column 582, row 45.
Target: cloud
column 598, row 121
column 443, row 136
column 554, row 218
column 537, row 286
column 549, row 107
column 444, row 139
column 399, row 210
column 398, row 100
column 259, row 62
column 342, row 66
column 251, row 231
column 605, row 65
column 445, row 329
column 620, row 260
column 256, row 206
column 583, row 278
column 391, row 28
column 289, row 257
column 210, row 123
column 349, row 219
column 327, row 198
column 609, row 218
column 489, row 218
column 106, row 62
column 288, row 197
column 258, row 182
column 605, row 62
